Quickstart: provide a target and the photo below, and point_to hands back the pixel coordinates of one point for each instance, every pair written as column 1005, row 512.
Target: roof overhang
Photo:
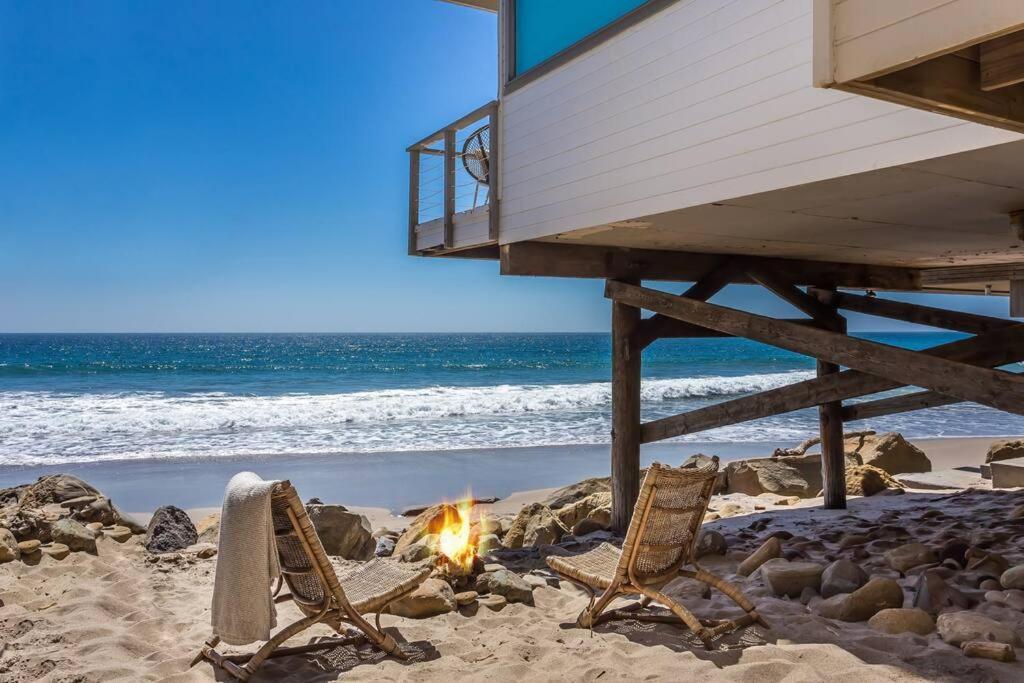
column 489, row 5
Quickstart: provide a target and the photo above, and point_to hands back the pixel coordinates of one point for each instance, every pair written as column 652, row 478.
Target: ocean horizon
column 90, row 397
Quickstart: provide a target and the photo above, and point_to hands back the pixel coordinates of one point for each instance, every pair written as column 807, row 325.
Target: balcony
column 453, row 203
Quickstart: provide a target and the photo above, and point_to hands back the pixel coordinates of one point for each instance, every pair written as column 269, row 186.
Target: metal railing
column 455, row 170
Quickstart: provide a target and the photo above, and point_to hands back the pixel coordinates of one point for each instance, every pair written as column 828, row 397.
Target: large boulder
column 961, row 627
column 567, row 495
column 867, row 480
column 30, row 509
column 431, row 598
column 889, row 452
column 574, row 513
column 170, row 529
column 535, row 525
column 74, row 535
column 507, row 584
column 344, row 534
column 430, row 521
column 1005, row 450
column 783, row 577
column 796, row 475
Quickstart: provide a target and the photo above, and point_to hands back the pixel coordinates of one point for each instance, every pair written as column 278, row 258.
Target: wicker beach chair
column 660, row 541
column 318, row 593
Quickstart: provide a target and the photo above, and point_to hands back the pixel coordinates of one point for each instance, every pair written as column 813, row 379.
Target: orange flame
column 455, row 541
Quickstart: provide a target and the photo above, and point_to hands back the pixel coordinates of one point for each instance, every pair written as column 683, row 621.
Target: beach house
column 825, row 150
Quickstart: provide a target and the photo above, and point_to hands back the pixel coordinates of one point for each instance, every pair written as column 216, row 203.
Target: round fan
column 476, row 152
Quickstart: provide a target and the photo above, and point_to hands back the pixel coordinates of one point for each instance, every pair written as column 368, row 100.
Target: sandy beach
column 126, row 614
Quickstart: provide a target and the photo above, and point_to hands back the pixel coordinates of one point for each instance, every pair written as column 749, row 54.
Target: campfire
column 458, row 544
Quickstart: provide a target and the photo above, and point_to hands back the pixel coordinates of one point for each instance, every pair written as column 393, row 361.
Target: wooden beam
column 585, row 261
column 712, row 282
column 896, row 404
column 1017, row 298
column 669, row 328
column 980, row 274
column 1000, row 390
column 1002, row 61
column 449, row 188
column 785, row 290
column 625, row 414
column 990, row 350
column 912, row 313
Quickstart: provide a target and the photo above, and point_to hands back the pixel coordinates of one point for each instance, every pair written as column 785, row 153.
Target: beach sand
column 120, row 615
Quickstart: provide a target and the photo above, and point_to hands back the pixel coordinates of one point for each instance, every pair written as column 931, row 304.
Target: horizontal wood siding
column 470, row 229
column 872, row 37
column 708, row 100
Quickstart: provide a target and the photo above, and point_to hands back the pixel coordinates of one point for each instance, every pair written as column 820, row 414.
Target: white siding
column 708, row 100
column 471, row 230
column 872, row 36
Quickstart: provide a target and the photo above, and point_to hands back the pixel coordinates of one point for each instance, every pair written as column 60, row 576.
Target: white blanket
column 243, row 608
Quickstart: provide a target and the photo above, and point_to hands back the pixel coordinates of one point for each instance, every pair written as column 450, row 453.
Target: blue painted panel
column 546, row 27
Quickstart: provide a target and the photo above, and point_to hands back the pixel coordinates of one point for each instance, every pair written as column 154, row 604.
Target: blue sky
column 238, row 166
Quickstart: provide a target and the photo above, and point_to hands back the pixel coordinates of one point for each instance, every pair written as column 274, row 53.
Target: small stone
column 507, row 584
column 416, row 552
column 10, row 549
column 30, row 546
column 385, row 546
column 205, row 551
column 74, row 535
column 1013, row 577
column 933, row 594
column 808, row 594
column 118, row 533
column 842, row 576
column 94, row 526
column 1015, row 599
column 783, row 577
column 466, row 597
column 961, row 627
column 850, row 540
column 862, row 604
column 911, row 555
column 489, row 543
column 493, row 567
column 710, row 543
column 57, row 551
column 771, row 549
column 431, row 598
column 535, row 581
column 495, row 603
column 990, row 585
column 729, row 510
column 902, row 620
column 788, row 500
column 1000, row 652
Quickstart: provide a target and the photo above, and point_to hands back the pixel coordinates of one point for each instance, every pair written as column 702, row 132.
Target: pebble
column 57, row 551
column 30, row 546
column 466, row 597
column 1013, row 577
column 493, row 602
column 771, row 549
column 94, row 526
column 118, row 533
column 1000, row 652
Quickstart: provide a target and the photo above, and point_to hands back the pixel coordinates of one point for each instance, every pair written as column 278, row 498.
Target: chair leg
column 688, row 618
column 379, row 638
column 728, row 589
column 589, row 616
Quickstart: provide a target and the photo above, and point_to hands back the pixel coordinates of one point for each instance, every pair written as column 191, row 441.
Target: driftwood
column 814, row 441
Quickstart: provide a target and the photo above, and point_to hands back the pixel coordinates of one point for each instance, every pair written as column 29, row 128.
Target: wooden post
column 493, row 163
column 449, row 188
column 1017, row 298
column 625, row 414
column 414, row 199
column 830, row 426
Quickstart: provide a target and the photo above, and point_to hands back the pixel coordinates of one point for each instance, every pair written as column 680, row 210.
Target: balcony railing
column 453, row 171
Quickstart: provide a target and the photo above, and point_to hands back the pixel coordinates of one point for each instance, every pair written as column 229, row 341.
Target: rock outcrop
column 889, row 452
column 867, row 480
column 344, row 534
column 535, row 525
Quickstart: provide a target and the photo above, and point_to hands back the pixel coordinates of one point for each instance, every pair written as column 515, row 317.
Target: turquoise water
column 83, row 398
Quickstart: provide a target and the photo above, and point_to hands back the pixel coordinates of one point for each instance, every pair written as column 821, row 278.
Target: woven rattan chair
column 660, row 541
column 318, row 593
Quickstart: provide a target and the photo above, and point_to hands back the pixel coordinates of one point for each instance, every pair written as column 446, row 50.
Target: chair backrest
column 666, row 520
column 304, row 563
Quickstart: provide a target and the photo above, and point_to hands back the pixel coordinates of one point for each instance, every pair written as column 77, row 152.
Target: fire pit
column 458, row 561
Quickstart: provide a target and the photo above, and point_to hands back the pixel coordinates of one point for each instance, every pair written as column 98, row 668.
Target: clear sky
column 240, row 166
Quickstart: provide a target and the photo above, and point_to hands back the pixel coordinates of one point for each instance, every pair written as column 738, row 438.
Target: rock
column 788, row 500
column 430, row 521
column 932, row 594
column 170, row 529
column 535, row 581
column 535, row 525
column 909, row 556
column 488, row 543
column 961, row 627
column 798, row 475
column 578, row 491
column 1013, row 577
column 57, row 551
column 808, row 594
column 699, row 460
column 726, row 511
column 1000, row 652
column 710, row 543
column 572, row 514
column 851, row 540
column 488, row 525
column 94, row 526
column 987, row 562
column 783, row 577
column 990, row 585
column 507, row 584
column 29, row 547
column 842, row 576
column 385, row 547
column 889, row 452
column 771, row 549
column 902, row 620
column 205, row 551
column 955, row 549
column 867, row 480
column 10, row 549
column 208, row 528
column 118, row 533
column 431, row 598
column 74, row 535
column 865, row 602
column 344, row 534
column 495, row 603
column 416, row 552
column 1005, row 450
column 466, row 597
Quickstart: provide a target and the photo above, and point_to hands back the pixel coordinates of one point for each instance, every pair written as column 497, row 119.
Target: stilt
column 833, row 458
column 625, row 414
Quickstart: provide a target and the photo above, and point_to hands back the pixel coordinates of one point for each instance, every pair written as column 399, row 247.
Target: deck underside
column 948, row 211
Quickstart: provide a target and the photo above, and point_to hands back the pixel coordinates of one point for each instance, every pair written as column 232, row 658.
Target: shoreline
column 386, row 482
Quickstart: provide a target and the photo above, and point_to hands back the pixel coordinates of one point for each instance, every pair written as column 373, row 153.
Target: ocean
column 78, row 398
